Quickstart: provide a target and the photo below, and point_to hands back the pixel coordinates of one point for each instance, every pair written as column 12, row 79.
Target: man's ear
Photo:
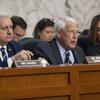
column 38, row 35
column 58, row 34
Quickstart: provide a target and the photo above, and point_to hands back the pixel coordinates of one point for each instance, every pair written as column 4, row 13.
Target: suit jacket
column 84, row 43
column 39, row 49
column 93, row 50
column 78, row 53
column 89, row 48
column 12, row 49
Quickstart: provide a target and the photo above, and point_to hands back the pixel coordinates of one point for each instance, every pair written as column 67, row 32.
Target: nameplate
column 28, row 63
column 93, row 59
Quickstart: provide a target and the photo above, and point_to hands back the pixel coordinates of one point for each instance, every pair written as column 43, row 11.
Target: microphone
column 43, row 61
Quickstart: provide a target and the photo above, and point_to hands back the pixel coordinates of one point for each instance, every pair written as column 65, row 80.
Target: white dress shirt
column 63, row 55
column 9, row 60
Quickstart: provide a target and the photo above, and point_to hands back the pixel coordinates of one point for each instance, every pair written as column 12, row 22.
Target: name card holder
column 28, row 63
column 93, row 59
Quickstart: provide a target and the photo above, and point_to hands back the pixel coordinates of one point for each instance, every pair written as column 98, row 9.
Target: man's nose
column 9, row 30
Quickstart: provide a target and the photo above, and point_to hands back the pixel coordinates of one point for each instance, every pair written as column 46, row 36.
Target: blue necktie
column 3, row 62
column 67, row 56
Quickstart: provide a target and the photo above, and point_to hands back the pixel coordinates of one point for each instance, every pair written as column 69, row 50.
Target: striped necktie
column 4, row 58
column 67, row 58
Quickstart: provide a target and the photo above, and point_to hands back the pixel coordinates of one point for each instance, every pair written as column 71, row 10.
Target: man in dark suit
column 63, row 48
column 19, row 27
column 64, row 45
column 39, row 49
column 9, row 50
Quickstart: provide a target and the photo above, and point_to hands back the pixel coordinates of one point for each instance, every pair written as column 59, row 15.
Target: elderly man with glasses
column 9, row 50
column 65, row 49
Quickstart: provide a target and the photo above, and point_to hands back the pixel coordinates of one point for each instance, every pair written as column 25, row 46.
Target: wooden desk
column 77, row 82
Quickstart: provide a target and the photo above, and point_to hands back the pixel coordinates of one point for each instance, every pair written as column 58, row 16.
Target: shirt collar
column 62, row 50
column 3, row 46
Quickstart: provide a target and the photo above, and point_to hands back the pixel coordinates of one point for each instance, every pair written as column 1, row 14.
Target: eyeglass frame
column 6, row 27
column 71, row 32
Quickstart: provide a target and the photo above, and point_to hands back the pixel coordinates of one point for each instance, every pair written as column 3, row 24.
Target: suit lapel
column 10, row 51
column 76, row 56
column 56, row 51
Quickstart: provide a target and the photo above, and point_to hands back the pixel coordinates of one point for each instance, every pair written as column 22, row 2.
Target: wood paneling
column 76, row 82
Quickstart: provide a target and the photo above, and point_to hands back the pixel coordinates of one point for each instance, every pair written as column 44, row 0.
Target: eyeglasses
column 71, row 32
column 6, row 27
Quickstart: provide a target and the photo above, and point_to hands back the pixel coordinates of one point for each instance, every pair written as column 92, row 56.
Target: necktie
column 4, row 58
column 67, row 56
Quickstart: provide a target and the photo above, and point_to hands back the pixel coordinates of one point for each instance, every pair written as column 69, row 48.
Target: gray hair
column 61, row 22
column 3, row 15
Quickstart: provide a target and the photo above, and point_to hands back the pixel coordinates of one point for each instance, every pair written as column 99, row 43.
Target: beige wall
column 33, row 10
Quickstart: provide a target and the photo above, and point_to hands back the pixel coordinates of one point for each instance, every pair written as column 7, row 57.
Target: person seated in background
column 85, row 32
column 19, row 27
column 83, row 40
column 91, row 43
column 65, row 49
column 44, row 29
column 10, row 50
